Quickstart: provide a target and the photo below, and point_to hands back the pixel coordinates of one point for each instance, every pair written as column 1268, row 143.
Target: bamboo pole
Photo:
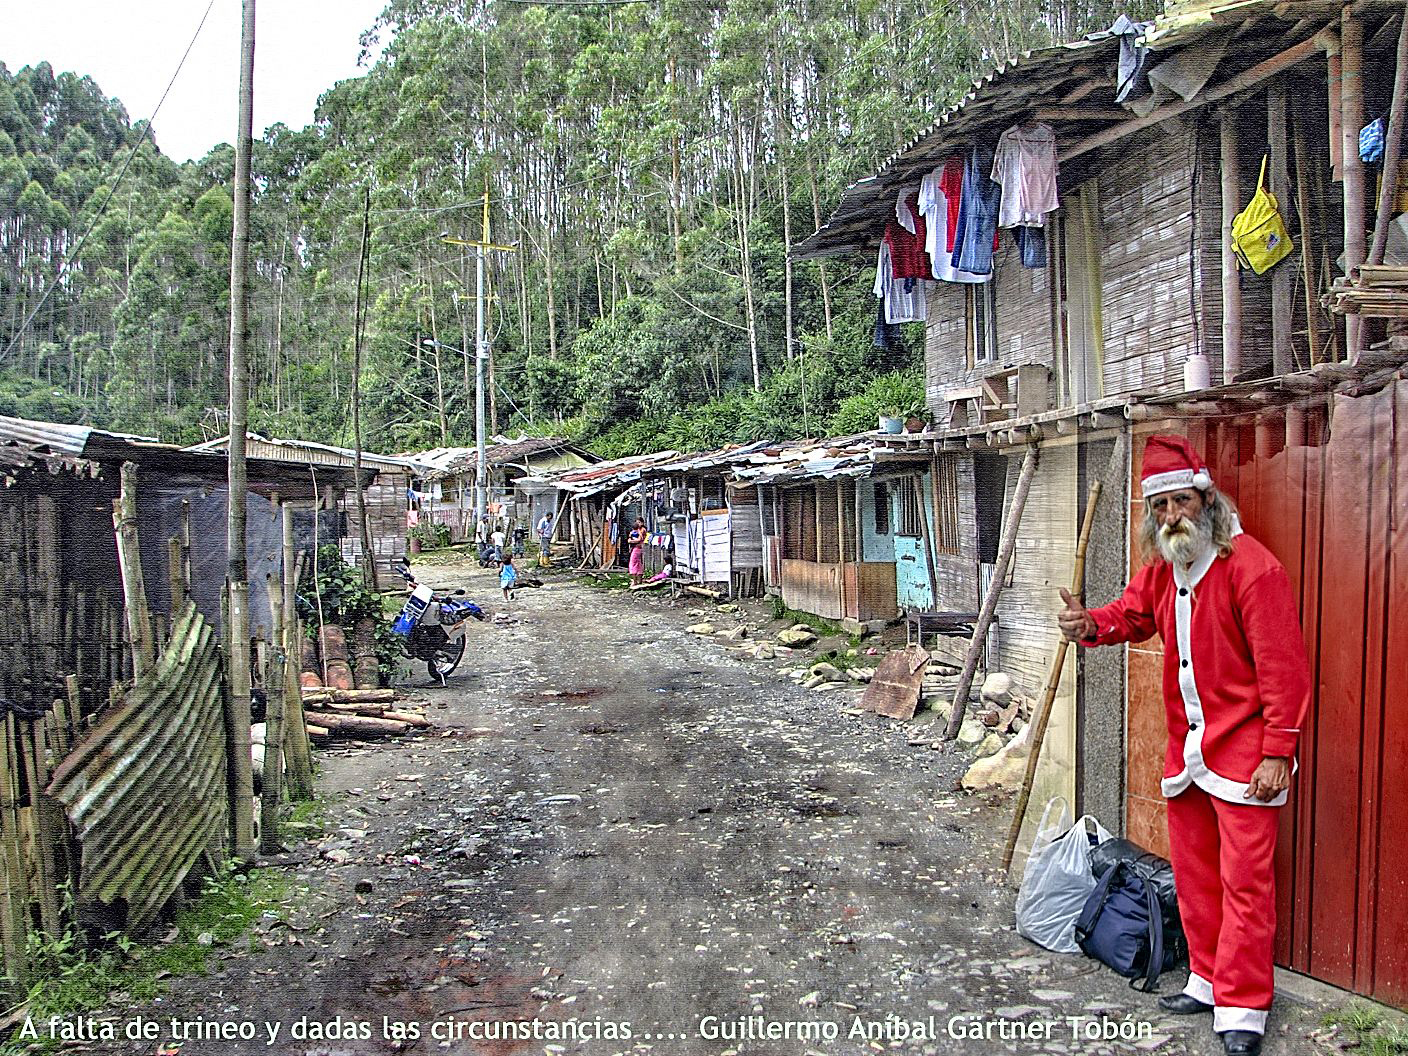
column 1332, row 101
column 1282, row 279
column 13, row 927
column 1231, row 280
column 1351, row 121
column 1308, row 237
column 1393, row 146
column 176, row 573
column 129, row 560
column 999, row 575
column 271, row 790
column 36, row 764
column 300, row 755
column 1053, row 683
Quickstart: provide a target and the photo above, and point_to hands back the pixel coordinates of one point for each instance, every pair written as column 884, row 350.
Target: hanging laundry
column 951, row 183
column 1031, row 241
column 1133, row 78
column 1025, row 164
column 901, row 300
column 934, row 207
column 907, row 254
column 981, row 200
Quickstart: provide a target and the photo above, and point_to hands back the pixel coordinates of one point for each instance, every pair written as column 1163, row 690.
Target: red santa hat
column 1170, row 463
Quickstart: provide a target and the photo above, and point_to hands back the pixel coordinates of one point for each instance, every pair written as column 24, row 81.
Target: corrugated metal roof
column 257, row 446
column 64, row 439
column 17, row 458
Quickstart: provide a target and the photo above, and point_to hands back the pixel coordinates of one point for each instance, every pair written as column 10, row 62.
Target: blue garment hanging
column 977, row 214
column 1032, row 242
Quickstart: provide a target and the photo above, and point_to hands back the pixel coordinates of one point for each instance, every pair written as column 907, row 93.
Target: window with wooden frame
column 910, row 509
column 881, row 498
column 982, row 322
column 711, row 490
column 946, row 539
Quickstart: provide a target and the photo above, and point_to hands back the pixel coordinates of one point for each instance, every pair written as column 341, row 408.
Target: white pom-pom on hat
column 1201, row 480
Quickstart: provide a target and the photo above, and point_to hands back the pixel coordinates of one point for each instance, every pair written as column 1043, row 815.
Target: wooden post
column 176, row 573
column 1053, row 682
column 45, row 828
column 1393, row 146
column 1231, row 280
column 925, row 538
column 1282, row 279
column 1332, row 85
column 129, row 560
column 14, row 913
column 300, row 756
column 1309, row 239
column 1351, row 121
column 274, row 690
column 999, row 576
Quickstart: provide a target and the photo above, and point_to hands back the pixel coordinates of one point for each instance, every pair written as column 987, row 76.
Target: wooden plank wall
column 746, row 527
column 957, row 574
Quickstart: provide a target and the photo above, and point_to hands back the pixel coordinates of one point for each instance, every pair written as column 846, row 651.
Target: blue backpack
column 1122, row 925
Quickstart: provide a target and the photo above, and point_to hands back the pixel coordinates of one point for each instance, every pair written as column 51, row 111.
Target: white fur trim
column 1174, row 479
column 1202, row 480
column 1199, row 989
column 1225, row 1018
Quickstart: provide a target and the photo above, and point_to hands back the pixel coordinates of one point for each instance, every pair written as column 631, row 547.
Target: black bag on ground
column 1130, row 921
column 1159, row 874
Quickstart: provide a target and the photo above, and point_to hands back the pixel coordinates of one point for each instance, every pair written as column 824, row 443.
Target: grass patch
column 447, row 555
column 824, row 628
column 69, row 979
column 1372, row 1031
column 608, row 581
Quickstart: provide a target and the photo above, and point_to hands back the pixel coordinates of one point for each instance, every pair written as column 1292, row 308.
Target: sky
column 132, row 47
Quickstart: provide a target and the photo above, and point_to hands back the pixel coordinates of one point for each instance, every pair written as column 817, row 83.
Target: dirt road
column 622, row 839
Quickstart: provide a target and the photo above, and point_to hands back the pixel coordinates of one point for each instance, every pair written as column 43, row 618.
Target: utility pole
column 241, row 778
column 481, row 461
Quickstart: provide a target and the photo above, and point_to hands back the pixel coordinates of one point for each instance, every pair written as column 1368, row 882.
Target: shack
column 56, row 515
column 1114, row 308
column 386, row 497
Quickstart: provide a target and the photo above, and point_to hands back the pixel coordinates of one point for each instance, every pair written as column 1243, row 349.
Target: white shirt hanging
column 1025, row 165
column 933, row 204
column 901, row 305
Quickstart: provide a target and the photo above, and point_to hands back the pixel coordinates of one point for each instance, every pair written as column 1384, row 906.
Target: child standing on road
column 508, row 577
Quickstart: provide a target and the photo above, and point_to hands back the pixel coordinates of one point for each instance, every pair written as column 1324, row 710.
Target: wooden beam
column 1080, row 113
column 1080, row 91
column 1246, row 79
column 1332, row 94
column 1352, row 169
column 129, row 559
column 1231, row 279
column 1282, row 279
column 989, row 609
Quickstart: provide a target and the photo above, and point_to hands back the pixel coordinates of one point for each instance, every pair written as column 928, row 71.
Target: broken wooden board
column 894, row 690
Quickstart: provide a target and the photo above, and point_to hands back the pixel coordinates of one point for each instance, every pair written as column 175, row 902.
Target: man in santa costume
column 1236, row 686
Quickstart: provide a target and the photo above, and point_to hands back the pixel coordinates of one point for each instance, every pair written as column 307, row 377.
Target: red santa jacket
column 1236, row 679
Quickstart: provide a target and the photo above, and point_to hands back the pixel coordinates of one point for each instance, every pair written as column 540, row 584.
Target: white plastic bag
column 1057, row 879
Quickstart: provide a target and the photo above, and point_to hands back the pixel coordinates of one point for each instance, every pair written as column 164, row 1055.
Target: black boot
column 1183, row 1005
column 1241, row 1043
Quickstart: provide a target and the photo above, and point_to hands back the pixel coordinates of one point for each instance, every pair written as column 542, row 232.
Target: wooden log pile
column 359, row 713
column 1379, row 290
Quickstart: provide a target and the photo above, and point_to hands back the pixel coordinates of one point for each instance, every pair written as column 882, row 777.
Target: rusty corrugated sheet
column 897, row 683
column 145, row 789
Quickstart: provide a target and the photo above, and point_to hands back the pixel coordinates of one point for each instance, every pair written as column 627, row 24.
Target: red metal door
column 1335, row 513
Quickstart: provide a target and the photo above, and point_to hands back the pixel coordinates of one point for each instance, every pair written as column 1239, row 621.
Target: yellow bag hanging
column 1259, row 235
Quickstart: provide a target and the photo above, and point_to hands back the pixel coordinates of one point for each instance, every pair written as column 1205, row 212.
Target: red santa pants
column 1223, row 867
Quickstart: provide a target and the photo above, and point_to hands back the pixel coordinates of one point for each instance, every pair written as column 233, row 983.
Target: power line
column 78, row 247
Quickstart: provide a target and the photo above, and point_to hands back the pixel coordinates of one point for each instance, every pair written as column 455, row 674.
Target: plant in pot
column 916, row 421
column 892, row 416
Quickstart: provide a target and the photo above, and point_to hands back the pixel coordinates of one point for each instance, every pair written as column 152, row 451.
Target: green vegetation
column 607, row 580
column 824, row 628
column 1372, row 1030
column 345, row 599
column 70, row 978
column 652, row 162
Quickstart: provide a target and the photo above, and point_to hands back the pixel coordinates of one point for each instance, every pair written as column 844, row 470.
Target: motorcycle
column 431, row 626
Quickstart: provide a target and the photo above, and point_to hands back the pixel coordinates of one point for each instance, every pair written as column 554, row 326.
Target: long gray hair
column 1218, row 509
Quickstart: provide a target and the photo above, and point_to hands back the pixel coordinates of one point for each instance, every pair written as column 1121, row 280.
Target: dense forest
column 649, row 163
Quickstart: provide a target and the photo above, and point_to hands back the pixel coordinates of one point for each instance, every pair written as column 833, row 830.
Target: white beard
column 1189, row 543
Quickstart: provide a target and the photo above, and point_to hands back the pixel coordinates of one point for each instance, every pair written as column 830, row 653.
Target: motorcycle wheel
column 446, row 658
